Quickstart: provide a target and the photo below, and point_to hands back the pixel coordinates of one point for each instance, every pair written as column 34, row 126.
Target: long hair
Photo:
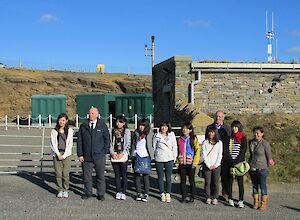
column 212, row 128
column 166, row 123
column 57, row 126
column 120, row 118
column 144, row 122
column 189, row 126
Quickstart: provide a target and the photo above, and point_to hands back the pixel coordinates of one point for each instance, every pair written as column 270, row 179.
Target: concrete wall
column 232, row 87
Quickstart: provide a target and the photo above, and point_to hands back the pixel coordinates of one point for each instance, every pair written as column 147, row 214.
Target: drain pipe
column 193, row 83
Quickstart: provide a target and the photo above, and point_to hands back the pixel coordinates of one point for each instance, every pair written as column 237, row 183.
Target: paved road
column 32, row 196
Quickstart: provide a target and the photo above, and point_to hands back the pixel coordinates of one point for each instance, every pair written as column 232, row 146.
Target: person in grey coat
column 92, row 146
column 119, row 150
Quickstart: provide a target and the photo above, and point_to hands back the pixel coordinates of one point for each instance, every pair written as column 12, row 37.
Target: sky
column 77, row 34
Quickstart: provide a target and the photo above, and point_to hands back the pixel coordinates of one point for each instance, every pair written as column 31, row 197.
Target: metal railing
column 48, row 121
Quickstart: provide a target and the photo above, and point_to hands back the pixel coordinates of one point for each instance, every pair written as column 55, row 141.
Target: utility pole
column 151, row 50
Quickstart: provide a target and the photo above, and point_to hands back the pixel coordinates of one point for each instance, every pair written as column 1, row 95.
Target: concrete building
column 183, row 89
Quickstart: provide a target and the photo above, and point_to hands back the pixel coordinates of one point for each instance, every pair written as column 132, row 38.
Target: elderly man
column 92, row 146
column 224, row 131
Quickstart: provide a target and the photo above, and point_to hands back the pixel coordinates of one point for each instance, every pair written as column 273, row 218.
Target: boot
column 255, row 201
column 264, row 201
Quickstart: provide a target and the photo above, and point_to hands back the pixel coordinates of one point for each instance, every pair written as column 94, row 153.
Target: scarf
column 239, row 136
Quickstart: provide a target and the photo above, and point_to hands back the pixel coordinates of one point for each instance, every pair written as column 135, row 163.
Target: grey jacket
column 127, row 142
column 260, row 154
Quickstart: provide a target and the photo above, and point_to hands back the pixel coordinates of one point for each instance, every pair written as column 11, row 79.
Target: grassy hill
column 18, row 85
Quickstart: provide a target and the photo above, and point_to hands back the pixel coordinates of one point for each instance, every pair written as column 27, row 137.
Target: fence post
column 42, row 150
column 6, row 122
column 135, row 121
column 18, row 122
column 110, row 121
column 40, row 121
column 49, row 121
column 77, row 121
column 87, row 116
column 29, row 122
column 150, row 119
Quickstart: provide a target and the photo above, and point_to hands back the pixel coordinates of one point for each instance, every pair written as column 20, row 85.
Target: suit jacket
column 93, row 143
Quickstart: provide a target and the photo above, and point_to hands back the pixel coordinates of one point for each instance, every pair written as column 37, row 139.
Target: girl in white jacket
column 212, row 149
column 61, row 146
column 165, row 153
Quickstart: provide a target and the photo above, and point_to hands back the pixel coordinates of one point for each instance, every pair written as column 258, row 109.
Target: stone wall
column 230, row 91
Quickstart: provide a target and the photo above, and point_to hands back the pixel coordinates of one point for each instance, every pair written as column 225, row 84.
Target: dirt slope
column 18, row 85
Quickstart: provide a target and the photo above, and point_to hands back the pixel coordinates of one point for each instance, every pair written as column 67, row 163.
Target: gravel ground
column 32, row 196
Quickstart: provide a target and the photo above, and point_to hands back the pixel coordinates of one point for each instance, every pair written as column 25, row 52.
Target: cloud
column 292, row 50
column 296, row 33
column 197, row 24
column 45, row 18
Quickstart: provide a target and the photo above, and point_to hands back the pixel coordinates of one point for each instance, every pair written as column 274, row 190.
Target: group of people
column 224, row 147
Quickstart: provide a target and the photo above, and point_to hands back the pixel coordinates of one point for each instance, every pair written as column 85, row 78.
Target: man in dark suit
column 93, row 144
column 224, row 131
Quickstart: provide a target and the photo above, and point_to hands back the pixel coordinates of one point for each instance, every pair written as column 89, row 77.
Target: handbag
column 240, row 169
column 120, row 160
column 142, row 165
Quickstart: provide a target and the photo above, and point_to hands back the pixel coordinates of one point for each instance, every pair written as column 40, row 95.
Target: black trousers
column 187, row 170
column 138, row 182
column 120, row 170
column 87, row 168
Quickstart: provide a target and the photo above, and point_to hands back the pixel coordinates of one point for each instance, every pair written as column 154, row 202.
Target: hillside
column 18, row 85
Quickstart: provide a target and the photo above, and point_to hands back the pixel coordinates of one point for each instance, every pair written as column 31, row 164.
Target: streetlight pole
column 151, row 50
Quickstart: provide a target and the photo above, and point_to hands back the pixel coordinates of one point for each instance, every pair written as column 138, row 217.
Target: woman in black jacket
column 237, row 150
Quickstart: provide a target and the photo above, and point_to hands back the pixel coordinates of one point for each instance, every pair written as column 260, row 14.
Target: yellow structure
column 100, row 68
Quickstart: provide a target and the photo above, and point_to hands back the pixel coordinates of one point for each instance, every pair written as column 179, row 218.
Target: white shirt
column 165, row 148
column 94, row 124
column 215, row 156
column 141, row 148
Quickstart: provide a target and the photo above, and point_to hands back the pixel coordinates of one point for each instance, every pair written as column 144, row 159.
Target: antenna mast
column 151, row 50
column 270, row 36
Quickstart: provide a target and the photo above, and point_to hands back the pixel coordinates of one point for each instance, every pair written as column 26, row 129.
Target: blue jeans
column 168, row 173
column 259, row 178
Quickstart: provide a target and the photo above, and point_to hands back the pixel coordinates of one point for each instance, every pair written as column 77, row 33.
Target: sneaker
column 118, row 196
column 168, row 197
column 163, row 197
column 241, row 204
column 139, row 197
column 230, row 202
column 65, row 194
column 60, row 194
column 215, row 202
column 145, row 198
column 123, row 196
column 208, row 201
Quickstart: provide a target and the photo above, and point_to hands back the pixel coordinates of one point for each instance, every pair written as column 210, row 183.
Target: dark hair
column 120, row 118
column 237, row 124
column 57, row 126
column 144, row 122
column 258, row 128
column 165, row 123
column 210, row 129
column 189, row 126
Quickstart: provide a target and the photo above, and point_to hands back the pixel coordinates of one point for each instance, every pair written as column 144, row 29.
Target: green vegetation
column 283, row 133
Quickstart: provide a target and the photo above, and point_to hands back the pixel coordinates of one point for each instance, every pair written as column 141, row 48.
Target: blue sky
column 81, row 34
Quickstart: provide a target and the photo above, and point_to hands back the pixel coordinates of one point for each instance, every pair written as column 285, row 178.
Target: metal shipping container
column 131, row 104
column 104, row 102
column 46, row 105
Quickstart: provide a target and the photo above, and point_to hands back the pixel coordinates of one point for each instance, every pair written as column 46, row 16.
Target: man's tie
column 92, row 125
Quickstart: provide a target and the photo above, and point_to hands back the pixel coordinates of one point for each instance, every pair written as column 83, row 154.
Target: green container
column 46, row 105
column 131, row 104
column 104, row 102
